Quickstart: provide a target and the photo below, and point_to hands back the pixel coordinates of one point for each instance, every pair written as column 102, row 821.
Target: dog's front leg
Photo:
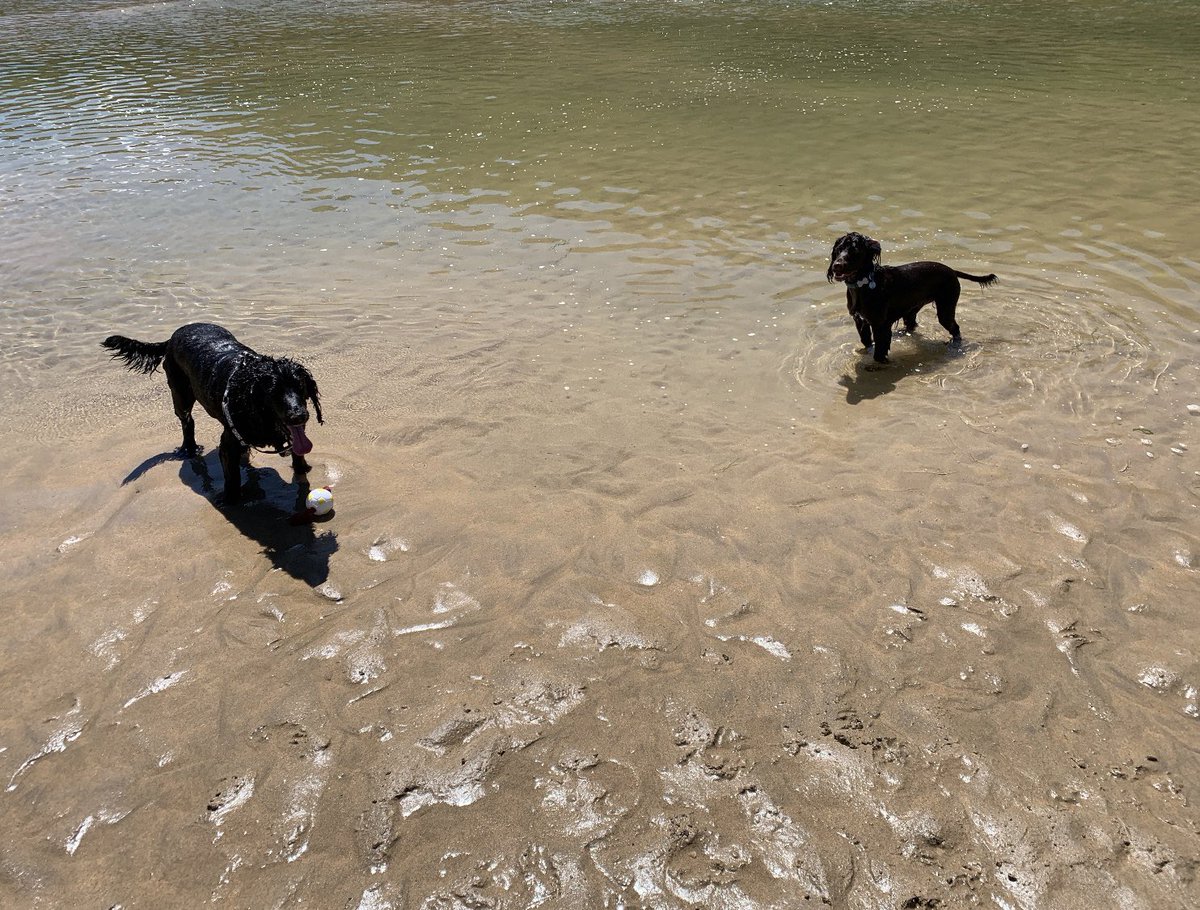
column 861, row 322
column 883, row 341
column 864, row 330
column 232, row 452
column 299, row 465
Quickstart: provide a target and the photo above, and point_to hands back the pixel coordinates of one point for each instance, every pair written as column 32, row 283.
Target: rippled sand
column 644, row 588
column 592, row 630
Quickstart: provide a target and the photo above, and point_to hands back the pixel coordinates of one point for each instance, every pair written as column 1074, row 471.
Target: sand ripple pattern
column 643, row 589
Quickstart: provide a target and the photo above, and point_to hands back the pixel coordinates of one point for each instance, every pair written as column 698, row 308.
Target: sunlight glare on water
column 645, row 586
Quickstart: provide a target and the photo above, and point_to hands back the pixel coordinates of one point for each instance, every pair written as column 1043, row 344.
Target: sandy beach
column 643, row 588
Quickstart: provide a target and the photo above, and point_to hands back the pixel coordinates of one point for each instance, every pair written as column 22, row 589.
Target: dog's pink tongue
column 301, row 444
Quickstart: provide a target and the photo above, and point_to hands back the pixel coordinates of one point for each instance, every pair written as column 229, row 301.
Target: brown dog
column 880, row 295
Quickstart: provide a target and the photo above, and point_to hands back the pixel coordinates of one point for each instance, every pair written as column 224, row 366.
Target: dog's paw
column 231, row 498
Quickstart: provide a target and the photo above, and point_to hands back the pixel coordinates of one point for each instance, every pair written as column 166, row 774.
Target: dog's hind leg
column 946, row 304
column 183, row 398
column 232, row 452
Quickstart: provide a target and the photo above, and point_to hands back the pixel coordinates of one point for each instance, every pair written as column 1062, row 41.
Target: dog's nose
column 297, row 417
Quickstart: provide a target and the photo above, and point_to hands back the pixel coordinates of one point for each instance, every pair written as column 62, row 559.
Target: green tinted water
column 642, row 589
column 181, row 132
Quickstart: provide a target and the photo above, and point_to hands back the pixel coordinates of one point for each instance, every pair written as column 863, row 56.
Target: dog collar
column 867, row 281
column 279, row 450
column 225, row 403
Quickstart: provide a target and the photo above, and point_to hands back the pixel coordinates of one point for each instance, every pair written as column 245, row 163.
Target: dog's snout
column 293, row 408
column 296, row 416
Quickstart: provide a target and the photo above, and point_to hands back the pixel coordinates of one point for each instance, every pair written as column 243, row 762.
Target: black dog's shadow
column 870, row 379
column 152, row 462
column 268, row 502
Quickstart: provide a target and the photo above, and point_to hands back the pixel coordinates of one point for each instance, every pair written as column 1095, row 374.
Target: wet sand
column 644, row 588
column 588, row 630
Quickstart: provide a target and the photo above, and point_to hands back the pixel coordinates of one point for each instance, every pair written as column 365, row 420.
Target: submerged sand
column 591, row 628
column 643, row 589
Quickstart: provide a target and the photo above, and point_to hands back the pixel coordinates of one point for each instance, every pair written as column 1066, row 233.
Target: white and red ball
column 320, row 501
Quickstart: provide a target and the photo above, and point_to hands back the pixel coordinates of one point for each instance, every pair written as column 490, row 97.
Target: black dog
column 880, row 295
column 259, row 400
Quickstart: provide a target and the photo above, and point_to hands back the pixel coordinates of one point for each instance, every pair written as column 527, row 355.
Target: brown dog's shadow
column 912, row 355
column 268, row 503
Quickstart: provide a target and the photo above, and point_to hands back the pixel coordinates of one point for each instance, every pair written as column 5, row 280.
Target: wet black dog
column 259, row 400
column 880, row 295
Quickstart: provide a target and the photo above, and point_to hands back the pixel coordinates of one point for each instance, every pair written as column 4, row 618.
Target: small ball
column 320, row 501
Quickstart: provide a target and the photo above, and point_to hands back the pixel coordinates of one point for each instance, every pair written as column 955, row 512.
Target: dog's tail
column 139, row 356
column 985, row 280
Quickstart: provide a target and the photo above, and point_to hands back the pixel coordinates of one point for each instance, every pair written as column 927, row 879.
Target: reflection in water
column 910, row 355
column 639, row 566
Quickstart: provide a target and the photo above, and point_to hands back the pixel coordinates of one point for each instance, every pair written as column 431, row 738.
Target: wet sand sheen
column 642, row 589
column 696, row 664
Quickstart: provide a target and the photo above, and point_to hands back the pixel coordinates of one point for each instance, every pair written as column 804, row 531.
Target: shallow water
column 643, row 588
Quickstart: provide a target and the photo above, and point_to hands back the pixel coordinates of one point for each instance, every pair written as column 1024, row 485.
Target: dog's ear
column 876, row 250
column 297, row 373
column 310, row 390
column 837, row 245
